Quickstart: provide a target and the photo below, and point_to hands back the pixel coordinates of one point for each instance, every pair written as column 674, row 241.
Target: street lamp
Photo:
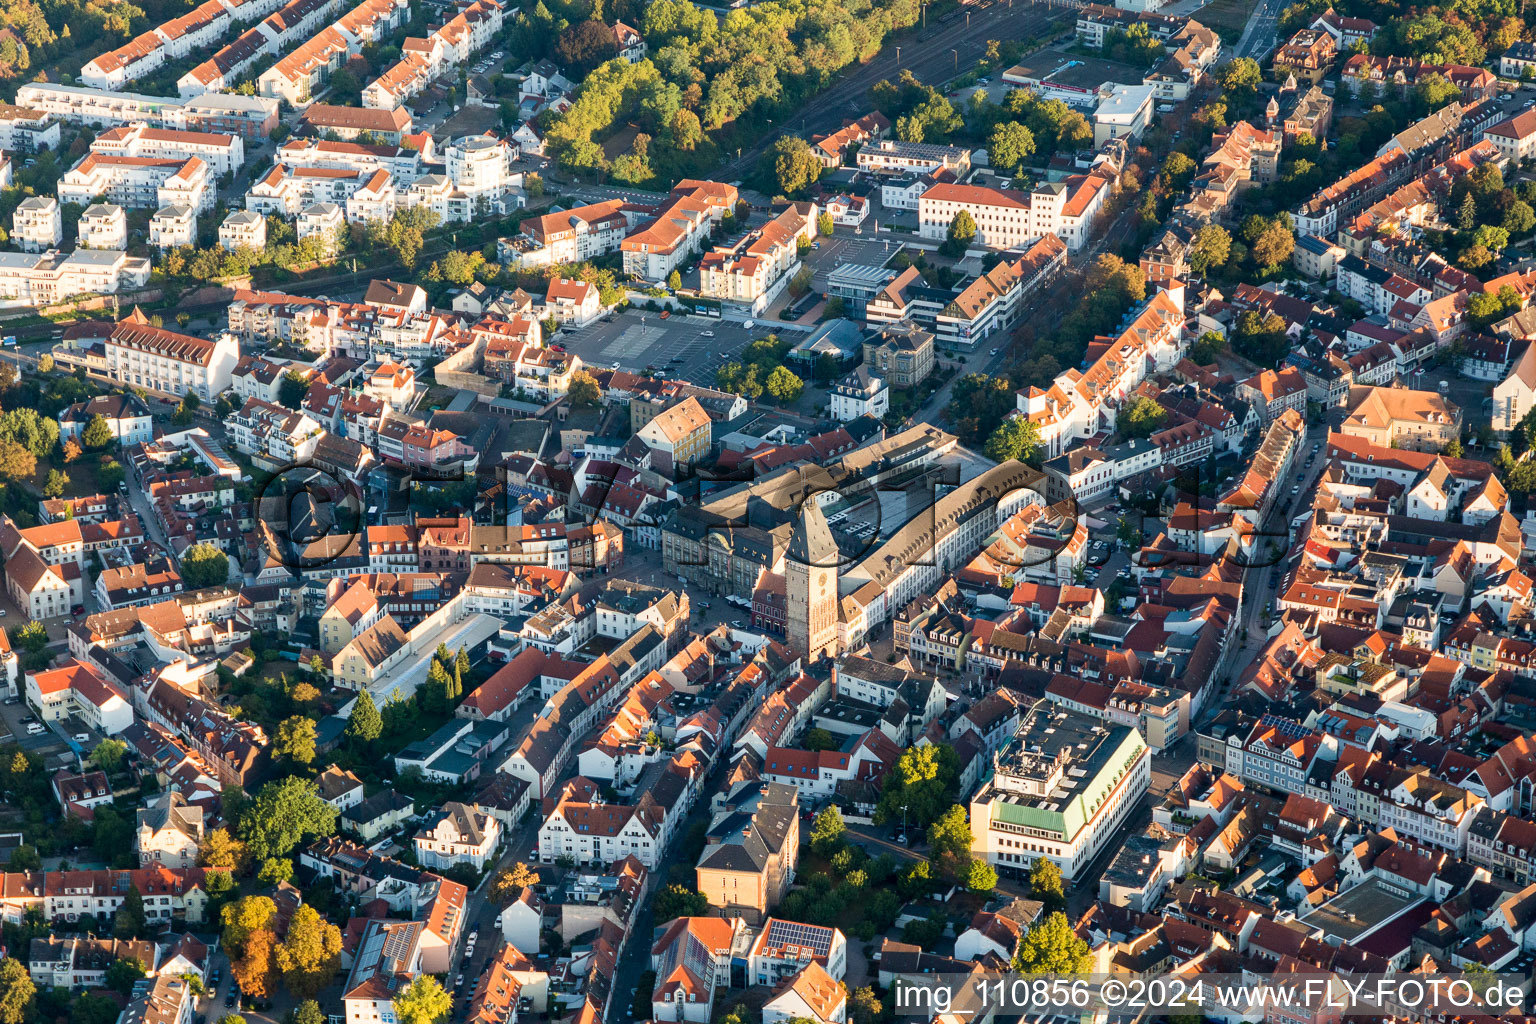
column 957, row 60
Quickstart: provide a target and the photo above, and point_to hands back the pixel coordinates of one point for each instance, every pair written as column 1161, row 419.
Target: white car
column 750, row 324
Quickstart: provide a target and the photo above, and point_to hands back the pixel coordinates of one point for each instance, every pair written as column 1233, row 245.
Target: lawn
column 1226, row 16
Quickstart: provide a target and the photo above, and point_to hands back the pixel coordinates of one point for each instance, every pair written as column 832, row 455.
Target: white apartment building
column 37, row 225
column 351, row 156
column 278, row 32
column 473, row 28
column 679, row 229
column 375, row 201
column 103, row 226
column 287, row 190
column 40, row 279
column 992, row 302
column 243, row 228
column 151, row 357
column 221, row 152
column 1080, row 403
column 1009, row 219
column 172, row 227
column 24, row 130
column 480, row 166
column 566, row 236
column 324, row 220
column 861, row 393
column 250, row 117
column 138, row 182
column 298, row 75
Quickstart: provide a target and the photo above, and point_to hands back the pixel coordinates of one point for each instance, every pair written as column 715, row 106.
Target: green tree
column 783, row 385
column 1016, row 438
column 679, row 901
column 794, row 167
column 364, row 724
column 296, row 740
column 129, row 920
column 16, row 992
column 1206, row 348
column 1010, row 145
column 824, row 225
column 1435, row 91
column 921, row 786
column 308, row 1012
column 827, row 831
column 16, row 462
column 108, row 755
column 423, row 1002
column 56, row 484
column 1052, row 947
column 219, row 849
column 1141, row 418
column 285, row 813
column 980, row 876
column 1046, row 885
column 962, row 231
column 123, row 973
column 204, row 565
column 1213, row 244
column 864, row 1006
column 292, row 386
column 818, row 739
column 97, row 433
column 950, row 835
column 584, row 390
column 1272, row 249
column 310, row 953
column 1240, row 75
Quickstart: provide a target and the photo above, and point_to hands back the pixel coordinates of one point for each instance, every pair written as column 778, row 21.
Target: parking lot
column 686, row 347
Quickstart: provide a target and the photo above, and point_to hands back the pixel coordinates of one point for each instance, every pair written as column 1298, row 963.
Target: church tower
column 810, row 585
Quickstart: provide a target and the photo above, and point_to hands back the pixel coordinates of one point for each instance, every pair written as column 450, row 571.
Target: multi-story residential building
column 1307, row 55
column 1515, row 137
column 748, row 272
column 470, row 29
column 861, row 393
column 79, row 690
column 125, row 414
column 750, row 854
column 678, row 230
column 374, row 202
column 139, row 182
column 169, row 832
column 1124, row 113
column 278, row 32
column 348, row 123
column 323, row 221
column 282, row 434
column 1401, row 418
column 146, row 356
column 41, row 279
column 103, row 226
column 364, row 158
column 572, row 302
column 457, row 834
column 678, row 436
column 222, row 153
column 1060, row 794
column 300, row 73
column 37, row 225
column 994, row 301
column 250, row 117
column 1072, row 407
column 566, row 236
column 243, row 229
column 480, row 167
column 24, row 130
column 173, row 227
